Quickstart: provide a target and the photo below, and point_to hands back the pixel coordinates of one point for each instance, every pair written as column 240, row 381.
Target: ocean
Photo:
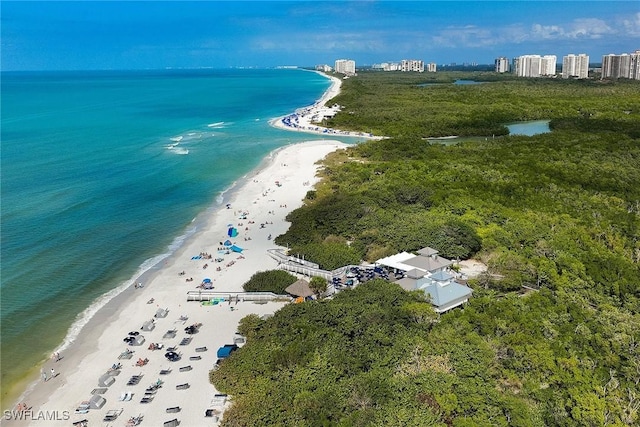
column 103, row 174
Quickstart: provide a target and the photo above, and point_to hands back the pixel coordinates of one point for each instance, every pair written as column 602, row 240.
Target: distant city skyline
column 163, row 34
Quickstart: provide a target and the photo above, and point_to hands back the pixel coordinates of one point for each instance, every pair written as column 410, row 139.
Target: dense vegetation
column 275, row 281
column 559, row 213
column 428, row 105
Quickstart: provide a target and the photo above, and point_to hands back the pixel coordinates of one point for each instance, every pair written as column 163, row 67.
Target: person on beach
column 53, row 373
column 44, row 376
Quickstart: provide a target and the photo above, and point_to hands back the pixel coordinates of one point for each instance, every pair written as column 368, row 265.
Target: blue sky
column 158, row 34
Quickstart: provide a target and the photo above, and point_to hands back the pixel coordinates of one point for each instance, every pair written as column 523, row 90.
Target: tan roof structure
column 299, row 288
column 428, row 263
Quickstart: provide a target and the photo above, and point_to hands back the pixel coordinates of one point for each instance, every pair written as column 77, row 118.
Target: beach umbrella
column 228, row 243
column 206, row 280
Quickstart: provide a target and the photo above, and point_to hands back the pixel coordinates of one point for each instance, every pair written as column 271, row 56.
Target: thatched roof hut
column 300, row 288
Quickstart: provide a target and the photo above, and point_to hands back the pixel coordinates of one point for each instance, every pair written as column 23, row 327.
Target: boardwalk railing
column 300, row 266
column 206, row 295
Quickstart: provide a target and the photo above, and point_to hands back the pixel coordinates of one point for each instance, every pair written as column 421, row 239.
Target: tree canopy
column 557, row 214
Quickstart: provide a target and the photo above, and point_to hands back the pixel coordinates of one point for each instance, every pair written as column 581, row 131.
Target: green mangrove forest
column 551, row 336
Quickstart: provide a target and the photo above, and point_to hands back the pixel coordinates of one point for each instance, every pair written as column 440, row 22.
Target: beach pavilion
column 444, row 292
column 429, row 273
column 427, row 260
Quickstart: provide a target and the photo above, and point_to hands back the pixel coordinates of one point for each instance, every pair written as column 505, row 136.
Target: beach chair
column 182, row 386
column 201, row 349
column 219, row 400
column 134, row 421
column 171, row 423
column 195, row 358
column 173, row 409
column 165, row 371
column 83, row 407
column 112, row 414
column 185, row 368
column 134, row 380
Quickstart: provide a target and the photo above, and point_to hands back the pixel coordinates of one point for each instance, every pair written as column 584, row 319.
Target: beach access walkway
column 304, row 267
column 230, row 297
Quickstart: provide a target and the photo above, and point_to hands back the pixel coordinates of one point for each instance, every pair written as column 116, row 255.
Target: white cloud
column 631, row 25
column 582, row 28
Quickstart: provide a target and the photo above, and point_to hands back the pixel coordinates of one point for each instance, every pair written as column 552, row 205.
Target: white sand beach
column 265, row 197
column 305, row 119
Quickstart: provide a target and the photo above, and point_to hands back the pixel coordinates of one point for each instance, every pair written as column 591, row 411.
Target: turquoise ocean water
column 104, row 172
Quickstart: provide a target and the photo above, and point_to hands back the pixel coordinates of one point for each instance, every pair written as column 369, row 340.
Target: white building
column 575, row 66
column 431, row 67
column 324, row 67
column 625, row 66
column 412, row 65
column 430, row 273
column 535, row 65
column 502, row 65
column 345, row 66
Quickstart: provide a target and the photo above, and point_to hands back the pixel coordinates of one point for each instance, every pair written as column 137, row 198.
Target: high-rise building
column 324, row 67
column 634, row 72
column 621, row 66
column 412, row 65
column 535, row 65
column 431, row 67
column 345, row 66
column 575, row 66
column 502, row 65
column 549, row 65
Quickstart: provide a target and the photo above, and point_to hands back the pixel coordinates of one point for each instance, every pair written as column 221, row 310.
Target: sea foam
column 83, row 318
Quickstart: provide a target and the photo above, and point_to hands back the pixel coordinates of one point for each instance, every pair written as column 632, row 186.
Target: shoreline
column 78, row 345
column 98, row 344
column 303, row 119
column 145, row 272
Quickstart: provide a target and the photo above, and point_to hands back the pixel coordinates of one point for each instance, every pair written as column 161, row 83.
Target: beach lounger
column 195, row 358
column 219, row 399
column 182, row 386
column 134, row 421
column 185, row 341
column 83, row 408
column 186, row 368
column 173, row 409
column 125, row 396
column 201, row 349
column 172, row 423
column 134, row 380
column 125, row 355
column 81, row 423
column 146, row 399
column 112, row 414
column 165, row 371
column 171, row 333
column 100, row 390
